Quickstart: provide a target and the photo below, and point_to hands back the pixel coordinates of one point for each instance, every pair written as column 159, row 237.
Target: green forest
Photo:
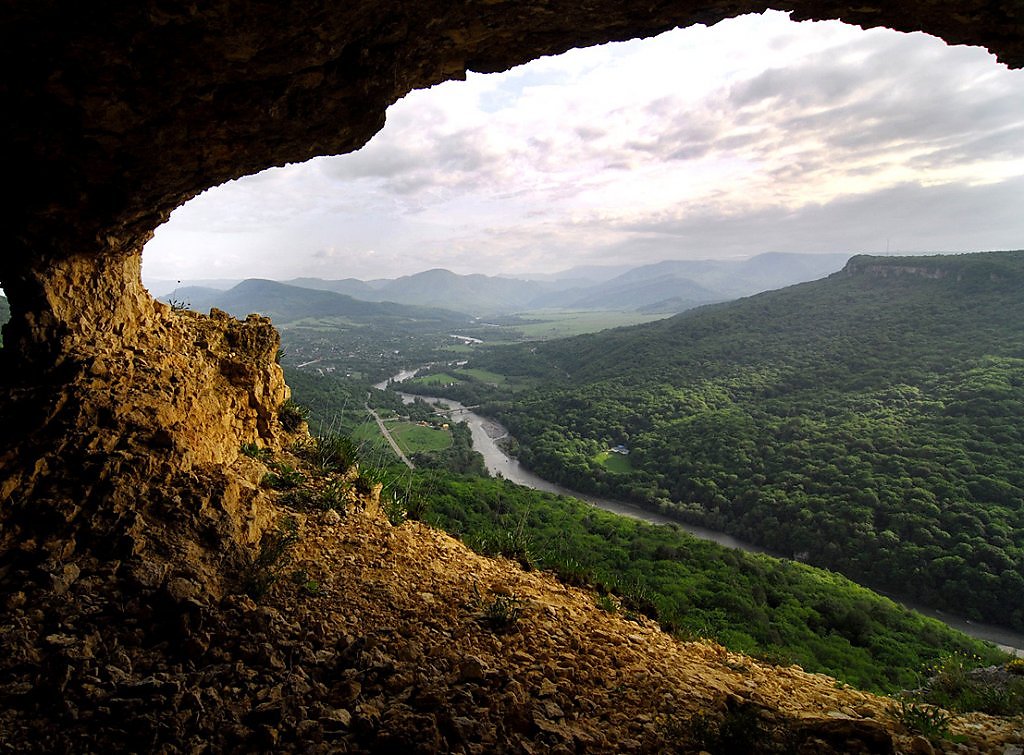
column 5, row 315
column 781, row 611
column 869, row 423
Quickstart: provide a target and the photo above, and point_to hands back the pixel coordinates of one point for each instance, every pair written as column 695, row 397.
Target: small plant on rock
column 330, row 453
column 292, row 415
column 284, row 477
column 254, row 451
column 927, row 720
column 272, row 559
column 501, row 613
column 607, row 603
column 394, row 509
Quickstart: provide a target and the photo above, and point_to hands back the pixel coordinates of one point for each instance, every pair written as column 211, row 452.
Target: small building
column 620, row 449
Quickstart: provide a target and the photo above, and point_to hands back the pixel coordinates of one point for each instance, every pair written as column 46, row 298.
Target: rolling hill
column 285, row 304
column 868, row 422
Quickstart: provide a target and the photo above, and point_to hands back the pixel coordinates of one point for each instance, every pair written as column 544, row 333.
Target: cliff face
column 991, row 269
column 136, row 421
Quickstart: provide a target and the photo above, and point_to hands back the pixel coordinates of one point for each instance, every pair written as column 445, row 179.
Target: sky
column 757, row 134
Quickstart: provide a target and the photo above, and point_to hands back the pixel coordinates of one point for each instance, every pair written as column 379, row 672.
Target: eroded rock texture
column 116, row 113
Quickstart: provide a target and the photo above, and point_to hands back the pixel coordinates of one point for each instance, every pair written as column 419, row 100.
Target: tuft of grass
column 292, row 415
column 254, row 451
column 512, row 544
column 284, row 477
column 394, row 509
column 500, row 613
column 927, row 720
column 330, row 452
column 271, row 560
column 607, row 603
column 332, row 495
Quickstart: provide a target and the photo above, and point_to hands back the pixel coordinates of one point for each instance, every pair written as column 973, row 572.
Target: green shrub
column 271, row 560
column 254, row 451
column 284, row 477
column 958, row 684
column 292, row 415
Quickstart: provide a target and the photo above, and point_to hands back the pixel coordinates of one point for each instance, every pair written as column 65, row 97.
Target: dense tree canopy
column 869, row 422
column 782, row 611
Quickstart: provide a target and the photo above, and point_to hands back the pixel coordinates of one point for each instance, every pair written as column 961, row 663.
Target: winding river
column 487, row 432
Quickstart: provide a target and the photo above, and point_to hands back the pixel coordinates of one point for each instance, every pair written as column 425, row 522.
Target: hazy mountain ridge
column 284, row 303
column 669, row 286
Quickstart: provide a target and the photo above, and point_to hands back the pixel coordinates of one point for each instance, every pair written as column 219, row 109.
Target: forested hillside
column 5, row 315
column 777, row 610
column 869, row 422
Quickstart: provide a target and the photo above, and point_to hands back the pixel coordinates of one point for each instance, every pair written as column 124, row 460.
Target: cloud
column 908, row 218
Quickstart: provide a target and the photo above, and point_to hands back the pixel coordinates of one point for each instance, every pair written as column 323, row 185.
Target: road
column 387, row 436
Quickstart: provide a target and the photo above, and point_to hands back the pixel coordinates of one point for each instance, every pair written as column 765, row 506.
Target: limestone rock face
column 126, row 445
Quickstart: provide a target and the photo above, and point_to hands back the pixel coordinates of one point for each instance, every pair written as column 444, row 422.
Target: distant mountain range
column 664, row 287
column 285, row 303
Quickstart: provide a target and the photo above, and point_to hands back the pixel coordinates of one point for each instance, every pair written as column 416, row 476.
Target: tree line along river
column 487, row 432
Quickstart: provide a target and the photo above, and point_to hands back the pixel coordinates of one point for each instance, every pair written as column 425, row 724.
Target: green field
column 614, row 462
column 414, row 438
column 320, row 323
column 562, row 323
column 484, row 376
column 440, row 378
column 368, row 435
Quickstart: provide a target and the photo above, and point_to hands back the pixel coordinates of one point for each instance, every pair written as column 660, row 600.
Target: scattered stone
column 920, row 746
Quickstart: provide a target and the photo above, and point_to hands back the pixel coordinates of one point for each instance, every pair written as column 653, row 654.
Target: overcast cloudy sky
column 755, row 135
